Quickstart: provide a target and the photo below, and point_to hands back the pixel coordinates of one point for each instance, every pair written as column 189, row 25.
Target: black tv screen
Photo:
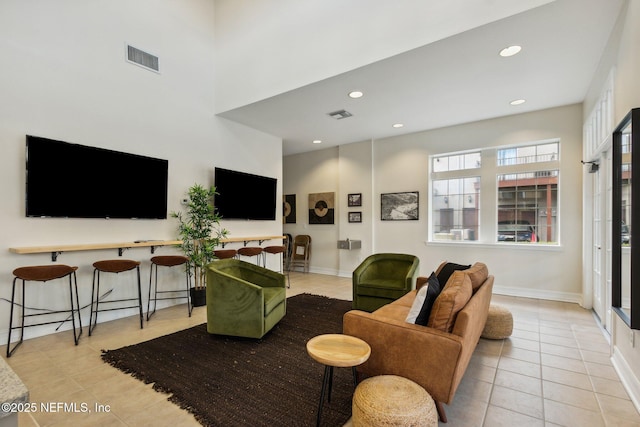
column 244, row 196
column 77, row 181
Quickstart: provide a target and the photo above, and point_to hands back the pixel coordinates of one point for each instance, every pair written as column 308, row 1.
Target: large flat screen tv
column 77, row 181
column 244, row 196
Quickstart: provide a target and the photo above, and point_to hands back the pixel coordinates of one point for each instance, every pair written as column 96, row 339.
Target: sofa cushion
column 451, row 300
column 417, row 305
column 478, row 273
column 433, row 291
column 447, row 269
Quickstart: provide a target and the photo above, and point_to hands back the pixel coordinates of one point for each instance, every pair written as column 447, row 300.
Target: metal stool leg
column 76, row 337
column 140, row 297
column 155, row 295
column 13, row 294
column 95, row 298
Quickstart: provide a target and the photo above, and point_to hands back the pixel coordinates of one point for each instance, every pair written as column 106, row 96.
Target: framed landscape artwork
column 399, row 206
column 355, row 216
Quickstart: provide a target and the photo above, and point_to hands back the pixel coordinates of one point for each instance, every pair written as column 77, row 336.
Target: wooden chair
column 301, row 253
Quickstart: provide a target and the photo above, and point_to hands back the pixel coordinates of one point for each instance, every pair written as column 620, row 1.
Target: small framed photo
column 354, row 199
column 355, row 216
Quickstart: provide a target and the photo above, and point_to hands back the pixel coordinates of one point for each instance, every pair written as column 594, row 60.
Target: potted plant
column 200, row 232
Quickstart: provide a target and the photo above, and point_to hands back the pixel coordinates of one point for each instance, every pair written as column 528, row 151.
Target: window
column 523, row 186
column 527, row 207
column 454, row 162
column 455, row 204
column 455, row 189
column 528, row 154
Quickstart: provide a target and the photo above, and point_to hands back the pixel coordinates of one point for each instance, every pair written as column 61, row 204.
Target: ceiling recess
column 340, row 114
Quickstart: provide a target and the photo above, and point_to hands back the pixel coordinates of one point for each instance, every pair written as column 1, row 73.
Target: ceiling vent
column 340, row 114
column 143, row 59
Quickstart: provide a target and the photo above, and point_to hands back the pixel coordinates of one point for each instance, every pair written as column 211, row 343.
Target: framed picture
column 399, row 206
column 355, row 216
column 321, row 208
column 354, row 199
column 289, row 209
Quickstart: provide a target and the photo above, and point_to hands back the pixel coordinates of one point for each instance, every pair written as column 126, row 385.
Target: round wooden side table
column 342, row 351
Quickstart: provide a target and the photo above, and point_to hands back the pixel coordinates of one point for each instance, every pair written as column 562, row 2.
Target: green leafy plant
column 200, row 232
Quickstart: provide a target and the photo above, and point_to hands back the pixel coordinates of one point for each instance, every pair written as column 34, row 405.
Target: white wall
column 64, row 76
column 401, row 164
column 317, row 174
column 622, row 56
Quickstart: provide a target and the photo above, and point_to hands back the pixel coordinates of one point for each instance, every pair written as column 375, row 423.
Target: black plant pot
column 198, row 297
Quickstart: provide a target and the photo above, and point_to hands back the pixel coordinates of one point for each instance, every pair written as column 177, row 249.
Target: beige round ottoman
column 389, row 400
column 499, row 323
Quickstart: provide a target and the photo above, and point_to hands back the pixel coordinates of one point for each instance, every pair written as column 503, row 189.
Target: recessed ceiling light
column 356, row 94
column 398, row 125
column 510, row 51
column 317, row 141
column 517, row 102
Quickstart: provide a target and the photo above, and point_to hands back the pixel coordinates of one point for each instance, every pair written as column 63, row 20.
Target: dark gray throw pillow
column 447, row 271
column 433, row 290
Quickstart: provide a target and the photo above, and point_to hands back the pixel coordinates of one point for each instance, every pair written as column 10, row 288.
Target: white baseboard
column 627, row 377
column 320, row 270
column 538, row 294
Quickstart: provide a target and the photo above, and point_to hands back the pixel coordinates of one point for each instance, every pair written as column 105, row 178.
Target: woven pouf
column 389, row 400
column 499, row 323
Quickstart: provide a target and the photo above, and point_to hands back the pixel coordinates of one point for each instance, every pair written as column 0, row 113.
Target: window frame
column 488, row 208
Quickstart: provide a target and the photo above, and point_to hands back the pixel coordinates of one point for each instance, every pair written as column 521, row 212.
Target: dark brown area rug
column 228, row 381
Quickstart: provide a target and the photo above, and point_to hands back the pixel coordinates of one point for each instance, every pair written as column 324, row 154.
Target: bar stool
column 112, row 266
column 250, row 251
column 44, row 273
column 167, row 261
column 275, row 250
column 225, row 253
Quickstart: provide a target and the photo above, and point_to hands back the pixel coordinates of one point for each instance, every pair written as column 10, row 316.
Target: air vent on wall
column 340, row 114
column 143, row 59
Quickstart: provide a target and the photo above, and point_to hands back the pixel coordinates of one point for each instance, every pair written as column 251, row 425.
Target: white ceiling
column 456, row 80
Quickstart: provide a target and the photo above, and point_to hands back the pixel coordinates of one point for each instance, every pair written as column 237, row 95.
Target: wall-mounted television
column 77, row 181
column 243, row 195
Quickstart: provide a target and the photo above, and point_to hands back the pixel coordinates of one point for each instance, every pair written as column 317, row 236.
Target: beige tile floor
column 554, row 370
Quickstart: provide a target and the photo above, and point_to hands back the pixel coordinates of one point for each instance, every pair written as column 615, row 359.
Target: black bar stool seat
column 112, row 266
column 167, row 261
column 44, row 273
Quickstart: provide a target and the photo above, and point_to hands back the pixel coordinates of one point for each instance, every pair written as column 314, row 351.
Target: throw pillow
column 417, row 305
column 451, row 300
column 478, row 273
column 433, row 290
column 448, row 269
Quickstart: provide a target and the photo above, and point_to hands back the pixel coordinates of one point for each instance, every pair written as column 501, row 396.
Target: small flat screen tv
column 244, row 196
column 76, row 181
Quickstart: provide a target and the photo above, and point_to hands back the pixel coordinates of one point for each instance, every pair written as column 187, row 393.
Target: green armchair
column 383, row 278
column 243, row 299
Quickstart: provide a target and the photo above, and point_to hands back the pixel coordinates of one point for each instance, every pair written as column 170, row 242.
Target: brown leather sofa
column 434, row 356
